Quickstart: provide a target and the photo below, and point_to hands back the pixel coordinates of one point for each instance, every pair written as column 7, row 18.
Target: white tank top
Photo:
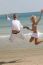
column 16, row 25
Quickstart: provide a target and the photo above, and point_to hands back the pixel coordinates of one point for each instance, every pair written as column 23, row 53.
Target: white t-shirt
column 16, row 25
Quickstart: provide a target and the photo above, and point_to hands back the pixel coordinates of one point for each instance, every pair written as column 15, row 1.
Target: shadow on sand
column 16, row 61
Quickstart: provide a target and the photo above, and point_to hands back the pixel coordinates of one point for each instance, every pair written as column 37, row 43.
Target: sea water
column 25, row 19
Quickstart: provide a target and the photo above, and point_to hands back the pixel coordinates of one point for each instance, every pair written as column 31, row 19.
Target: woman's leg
column 37, row 42
column 31, row 39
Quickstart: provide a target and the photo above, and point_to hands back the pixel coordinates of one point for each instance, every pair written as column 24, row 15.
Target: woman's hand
column 42, row 11
column 26, row 27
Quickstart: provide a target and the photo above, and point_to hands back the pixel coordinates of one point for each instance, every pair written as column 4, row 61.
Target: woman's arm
column 39, row 17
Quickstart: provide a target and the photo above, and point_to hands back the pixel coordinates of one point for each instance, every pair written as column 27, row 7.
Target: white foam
column 4, row 36
column 29, row 34
column 26, row 35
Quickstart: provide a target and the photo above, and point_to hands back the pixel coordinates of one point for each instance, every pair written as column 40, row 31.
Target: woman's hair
column 33, row 16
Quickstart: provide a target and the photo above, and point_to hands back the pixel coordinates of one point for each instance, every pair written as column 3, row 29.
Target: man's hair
column 14, row 15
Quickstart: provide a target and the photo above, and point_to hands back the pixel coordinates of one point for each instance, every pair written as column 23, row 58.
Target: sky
column 20, row 6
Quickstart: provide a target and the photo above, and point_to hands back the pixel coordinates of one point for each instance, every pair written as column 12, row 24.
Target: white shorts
column 35, row 35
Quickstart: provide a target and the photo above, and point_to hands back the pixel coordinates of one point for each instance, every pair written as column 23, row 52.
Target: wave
column 25, row 35
column 4, row 26
column 4, row 36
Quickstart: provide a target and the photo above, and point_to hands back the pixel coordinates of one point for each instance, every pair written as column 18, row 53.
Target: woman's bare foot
column 38, row 42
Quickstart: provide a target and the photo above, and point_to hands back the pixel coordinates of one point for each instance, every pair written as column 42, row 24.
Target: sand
column 20, row 52
column 26, row 56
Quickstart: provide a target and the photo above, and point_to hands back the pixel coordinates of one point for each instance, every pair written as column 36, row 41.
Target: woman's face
column 33, row 19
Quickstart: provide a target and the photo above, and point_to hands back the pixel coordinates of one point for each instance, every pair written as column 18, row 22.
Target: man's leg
column 11, row 37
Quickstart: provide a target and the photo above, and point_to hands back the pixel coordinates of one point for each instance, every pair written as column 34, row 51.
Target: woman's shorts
column 35, row 35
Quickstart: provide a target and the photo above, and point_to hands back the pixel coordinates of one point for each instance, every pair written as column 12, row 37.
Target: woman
column 15, row 26
column 34, row 29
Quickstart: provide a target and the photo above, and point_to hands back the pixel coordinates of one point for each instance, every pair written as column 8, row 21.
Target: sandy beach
column 26, row 56
column 20, row 52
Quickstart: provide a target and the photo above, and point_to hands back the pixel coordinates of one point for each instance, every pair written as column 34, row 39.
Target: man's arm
column 9, row 19
column 27, row 28
column 39, row 17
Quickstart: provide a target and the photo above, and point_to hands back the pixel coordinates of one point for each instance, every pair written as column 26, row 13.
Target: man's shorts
column 15, row 32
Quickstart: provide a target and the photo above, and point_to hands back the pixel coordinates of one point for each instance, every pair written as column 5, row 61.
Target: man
column 16, row 26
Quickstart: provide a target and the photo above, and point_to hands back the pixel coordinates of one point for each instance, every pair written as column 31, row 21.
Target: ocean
column 5, row 25
column 5, row 30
